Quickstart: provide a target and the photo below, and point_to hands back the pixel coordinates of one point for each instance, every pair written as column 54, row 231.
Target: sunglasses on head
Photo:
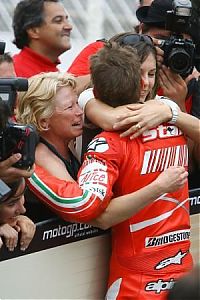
column 135, row 38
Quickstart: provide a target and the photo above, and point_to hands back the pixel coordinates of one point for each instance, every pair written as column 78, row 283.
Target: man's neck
column 43, row 51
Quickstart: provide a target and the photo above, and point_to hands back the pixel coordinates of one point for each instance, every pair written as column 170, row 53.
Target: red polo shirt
column 81, row 64
column 28, row 63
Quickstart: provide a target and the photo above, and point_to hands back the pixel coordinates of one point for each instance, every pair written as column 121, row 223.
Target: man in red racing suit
column 151, row 249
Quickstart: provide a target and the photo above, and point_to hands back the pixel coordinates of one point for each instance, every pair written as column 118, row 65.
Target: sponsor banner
column 52, row 233
column 195, row 201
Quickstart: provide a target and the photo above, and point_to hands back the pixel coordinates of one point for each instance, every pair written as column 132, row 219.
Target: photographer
column 8, row 173
column 12, row 185
column 184, row 91
column 12, row 223
column 153, row 22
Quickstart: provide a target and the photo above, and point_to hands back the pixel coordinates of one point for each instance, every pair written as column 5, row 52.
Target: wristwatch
column 173, row 106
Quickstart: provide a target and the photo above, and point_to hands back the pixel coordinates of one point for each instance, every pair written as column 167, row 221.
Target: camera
column 15, row 138
column 179, row 53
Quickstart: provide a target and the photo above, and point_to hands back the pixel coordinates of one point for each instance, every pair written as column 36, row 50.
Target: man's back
column 131, row 165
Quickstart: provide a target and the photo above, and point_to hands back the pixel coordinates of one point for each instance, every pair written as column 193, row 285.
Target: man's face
column 54, row 33
column 7, row 70
column 162, row 34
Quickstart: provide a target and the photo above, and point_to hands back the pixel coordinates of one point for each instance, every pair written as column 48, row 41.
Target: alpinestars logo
column 98, row 145
column 173, row 260
column 159, row 286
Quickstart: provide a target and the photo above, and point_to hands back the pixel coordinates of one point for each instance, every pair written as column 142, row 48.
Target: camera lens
column 179, row 61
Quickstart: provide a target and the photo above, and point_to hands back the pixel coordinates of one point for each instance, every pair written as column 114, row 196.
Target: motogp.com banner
column 195, row 201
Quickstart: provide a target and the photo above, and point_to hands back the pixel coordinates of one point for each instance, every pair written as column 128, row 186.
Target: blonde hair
column 39, row 101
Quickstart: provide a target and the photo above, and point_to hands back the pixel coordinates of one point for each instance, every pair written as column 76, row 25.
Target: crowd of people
column 118, row 134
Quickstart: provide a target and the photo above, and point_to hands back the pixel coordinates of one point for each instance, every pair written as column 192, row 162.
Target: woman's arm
column 99, row 113
column 153, row 113
column 189, row 125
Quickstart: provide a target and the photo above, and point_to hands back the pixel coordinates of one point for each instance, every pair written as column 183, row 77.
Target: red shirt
column 28, row 63
column 81, row 64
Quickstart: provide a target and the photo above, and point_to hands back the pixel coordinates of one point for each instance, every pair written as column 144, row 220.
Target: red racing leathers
column 151, row 249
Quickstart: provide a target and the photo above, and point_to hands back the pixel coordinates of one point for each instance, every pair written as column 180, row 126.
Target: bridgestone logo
column 169, row 238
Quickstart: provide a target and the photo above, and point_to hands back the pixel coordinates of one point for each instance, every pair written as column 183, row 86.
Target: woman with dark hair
column 100, row 116
column 11, row 220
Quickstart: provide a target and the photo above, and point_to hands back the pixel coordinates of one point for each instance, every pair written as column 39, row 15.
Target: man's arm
column 123, row 207
column 90, row 198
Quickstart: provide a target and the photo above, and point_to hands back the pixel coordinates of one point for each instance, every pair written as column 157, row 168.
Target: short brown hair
column 115, row 72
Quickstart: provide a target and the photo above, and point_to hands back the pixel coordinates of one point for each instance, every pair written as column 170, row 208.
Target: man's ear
column 140, row 28
column 33, row 33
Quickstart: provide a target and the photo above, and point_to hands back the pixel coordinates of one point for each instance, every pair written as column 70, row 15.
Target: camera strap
column 71, row 165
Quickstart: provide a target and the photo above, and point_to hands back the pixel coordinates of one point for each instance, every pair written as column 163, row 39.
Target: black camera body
column 179, row 53
column 15, row 138
column 9, row 88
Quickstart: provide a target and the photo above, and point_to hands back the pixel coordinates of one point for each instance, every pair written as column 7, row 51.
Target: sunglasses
column 133, row 39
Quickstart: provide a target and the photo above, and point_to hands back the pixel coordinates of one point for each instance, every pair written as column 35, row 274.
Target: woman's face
column 148, row 73
column 66, row 121
column 13, row 207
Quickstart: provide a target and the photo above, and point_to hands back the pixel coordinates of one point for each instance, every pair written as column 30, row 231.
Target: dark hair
column 14, row 186
column 6, row 57
column 27, row 14
column 144, row 46
column 115, row 72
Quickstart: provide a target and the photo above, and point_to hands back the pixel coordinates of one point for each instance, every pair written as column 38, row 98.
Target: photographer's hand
column 159, row 52
column 174, row 86
column 8, row 173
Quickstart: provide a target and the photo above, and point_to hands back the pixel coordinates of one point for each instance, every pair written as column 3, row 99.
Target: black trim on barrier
column 195, row 201
column 52, row 233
